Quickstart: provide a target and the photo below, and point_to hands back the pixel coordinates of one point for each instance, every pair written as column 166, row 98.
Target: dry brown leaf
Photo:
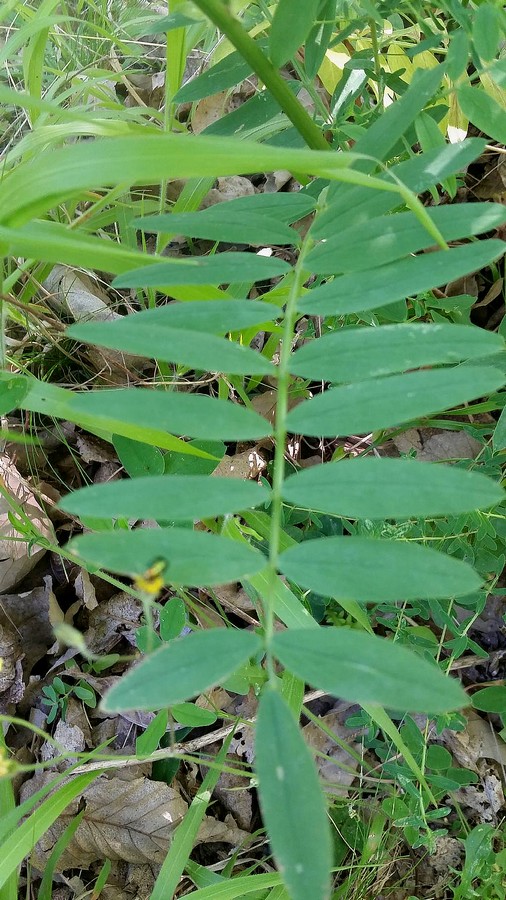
column 209, row 110
column 16, row 557
column 31, row 615
column 11, row 671
column 337, row 779
column 128, row 820
column 235, row 795
column 248, row 464
column 478, row 741
column 118, row 617
column 229, row 189
column 85, row 590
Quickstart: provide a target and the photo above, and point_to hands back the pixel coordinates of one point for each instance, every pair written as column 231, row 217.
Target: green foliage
column 353, row 538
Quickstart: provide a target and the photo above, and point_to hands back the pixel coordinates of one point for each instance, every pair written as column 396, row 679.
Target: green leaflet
column 386, row 238
column 372, row 571
column 182, row 669
column 194, row 415
column 224, row 267
column 354, row 354
column 375, row 488
column 290, row 27
column 191, row 557
column 398, row 279
column 367, row 669
column 197, row 350
column 166, row 497
column 386, row 402
column 291, row 800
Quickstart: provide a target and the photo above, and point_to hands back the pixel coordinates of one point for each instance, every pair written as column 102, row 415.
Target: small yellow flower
column 152, row 580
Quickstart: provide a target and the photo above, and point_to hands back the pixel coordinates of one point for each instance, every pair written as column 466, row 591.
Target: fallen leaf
column 17, row 557
column 248, row 464
column 31, row 616
column 334, row 758
column 11, row 672
column 128, row 820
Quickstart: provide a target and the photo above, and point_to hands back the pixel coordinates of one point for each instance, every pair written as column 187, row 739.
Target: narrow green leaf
column 12, row 392
column 373, row 571
column 364, row 668
column 19, row 844
column 192, row 715
column 353, row 204
column 375, row 488
column 399, row 279
column 182, row 669
column 195, row 349
column 282, row 207
column 60, row 174
column 499, row 438
column 290, row 27
column 387, row 238
column 354, row 354
column 184, row 839
column 387, row 402
column 191, row 557
column 166, row 497
column 224, row 267
column 486, row 31
column 194, row 415
column 209, row 317
column 483, row 111
column 491, row 699
column 240, row 886
column 138, row 459
column 218, row 224
column 291, row 800
column 224, row 74
column 51, row 400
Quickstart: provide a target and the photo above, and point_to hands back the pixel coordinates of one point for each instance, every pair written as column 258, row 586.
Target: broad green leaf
column 225, row 267
column 499, row 438
column 290, row 27
column 61, row 174
column 364, row 668
column 386, row 238
column 457, row 55
column 374, row 488
column 211, row 316
column 291, row 800
column 319, row 38
column 138, row 459
column 483, row 111
column 486, row 31
column 166, row 497
column 287, row 607
column 12, row 392
column 387, row 402
column 195, row 349
column 382, row 136
column 51, row 400
column 192, row 715
column 224, row 74
column 491, row 699
column 55, row 243
column 352, row 204
column 282, row 207
column 19, row 844
column 373, row 571
column 194, row 415
column 399, row 279
column 185, row 464
column 218, row 224
column 354, row 354
column 182, row 669
column 191, row 557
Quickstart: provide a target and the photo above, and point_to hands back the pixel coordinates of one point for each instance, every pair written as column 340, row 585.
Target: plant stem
column 278, row 475
column 262, row 66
